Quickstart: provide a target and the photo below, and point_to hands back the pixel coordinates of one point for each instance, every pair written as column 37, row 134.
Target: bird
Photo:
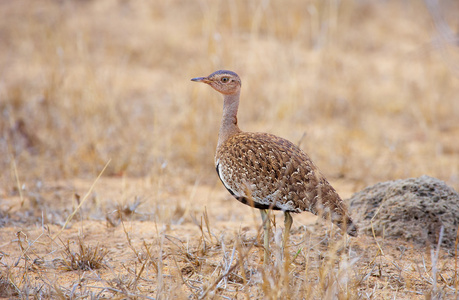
column 268, row 172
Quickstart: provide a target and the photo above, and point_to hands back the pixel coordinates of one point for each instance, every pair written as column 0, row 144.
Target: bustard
column 269, row 172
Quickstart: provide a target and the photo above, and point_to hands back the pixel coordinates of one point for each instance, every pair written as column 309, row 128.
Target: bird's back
column 266, row 171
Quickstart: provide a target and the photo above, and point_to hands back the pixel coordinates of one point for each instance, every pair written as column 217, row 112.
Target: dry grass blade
column 220, row 278
column 207, row 222
column 18, row 184
column 434, row 259
column 82, row 201
column 229, row 269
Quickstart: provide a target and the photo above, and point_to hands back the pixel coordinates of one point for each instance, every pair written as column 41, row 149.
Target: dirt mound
column 413, row 209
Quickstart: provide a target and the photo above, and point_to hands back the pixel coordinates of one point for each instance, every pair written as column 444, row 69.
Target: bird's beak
column 201, row 79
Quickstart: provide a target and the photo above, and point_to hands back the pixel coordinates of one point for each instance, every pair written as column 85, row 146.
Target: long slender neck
column 229, row 126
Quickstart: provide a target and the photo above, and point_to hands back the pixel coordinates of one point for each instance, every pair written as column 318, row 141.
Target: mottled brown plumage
column 266, row 171
column 277, row 174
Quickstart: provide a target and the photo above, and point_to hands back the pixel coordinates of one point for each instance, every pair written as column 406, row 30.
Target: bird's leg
column 287, row 225
column 285, row 256
column 266, row 227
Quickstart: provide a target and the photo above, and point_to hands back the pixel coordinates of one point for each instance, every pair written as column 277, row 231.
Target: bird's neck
column 229, row 126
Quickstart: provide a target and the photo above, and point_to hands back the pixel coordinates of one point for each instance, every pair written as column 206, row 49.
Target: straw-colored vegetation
column 370, row 89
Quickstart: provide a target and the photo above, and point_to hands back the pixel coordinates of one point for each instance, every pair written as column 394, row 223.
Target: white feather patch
column 222, row 178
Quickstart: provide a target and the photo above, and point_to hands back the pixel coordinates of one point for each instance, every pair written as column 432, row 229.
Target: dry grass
column 85, row 258
column 370, row 88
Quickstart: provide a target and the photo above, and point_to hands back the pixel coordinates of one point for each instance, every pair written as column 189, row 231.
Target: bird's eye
column 225, row 79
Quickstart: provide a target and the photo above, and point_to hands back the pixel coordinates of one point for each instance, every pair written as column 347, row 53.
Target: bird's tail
column 350, row 227
column 329, row 205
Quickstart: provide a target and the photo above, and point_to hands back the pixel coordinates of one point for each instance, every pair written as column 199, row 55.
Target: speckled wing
column 266, row 171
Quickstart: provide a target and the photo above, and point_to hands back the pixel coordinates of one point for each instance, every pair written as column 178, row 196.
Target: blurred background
column 370, row 89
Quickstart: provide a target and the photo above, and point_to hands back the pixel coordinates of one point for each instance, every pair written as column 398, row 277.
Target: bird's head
column 223, row 81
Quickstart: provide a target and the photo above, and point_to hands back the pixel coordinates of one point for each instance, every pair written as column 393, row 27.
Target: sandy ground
column 162, row 234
